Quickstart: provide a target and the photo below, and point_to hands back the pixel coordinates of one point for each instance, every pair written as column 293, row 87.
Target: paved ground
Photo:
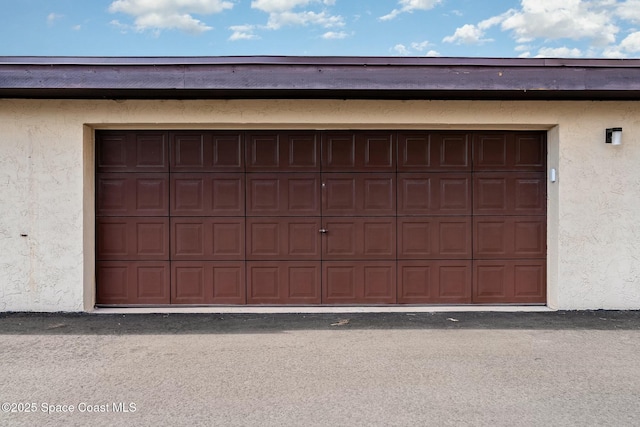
column 406, row 369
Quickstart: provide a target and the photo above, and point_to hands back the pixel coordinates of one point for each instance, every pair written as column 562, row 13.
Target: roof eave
column 304, row 77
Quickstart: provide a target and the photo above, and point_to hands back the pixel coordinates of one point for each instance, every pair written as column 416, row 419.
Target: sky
column 448, row 28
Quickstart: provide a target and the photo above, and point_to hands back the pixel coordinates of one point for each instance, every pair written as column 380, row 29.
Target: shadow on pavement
column 167, row 324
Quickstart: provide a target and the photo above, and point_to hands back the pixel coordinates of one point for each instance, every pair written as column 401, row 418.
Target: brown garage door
column 307, row 217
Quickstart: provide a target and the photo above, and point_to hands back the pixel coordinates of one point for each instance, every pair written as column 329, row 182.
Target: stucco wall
column 46, row 183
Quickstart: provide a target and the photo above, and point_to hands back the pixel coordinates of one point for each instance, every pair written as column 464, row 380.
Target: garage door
column 309, row 217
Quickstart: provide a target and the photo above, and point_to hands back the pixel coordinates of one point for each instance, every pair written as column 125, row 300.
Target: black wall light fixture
column 614, row 136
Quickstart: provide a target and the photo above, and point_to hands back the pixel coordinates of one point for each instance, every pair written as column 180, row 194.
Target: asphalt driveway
column 405, row 369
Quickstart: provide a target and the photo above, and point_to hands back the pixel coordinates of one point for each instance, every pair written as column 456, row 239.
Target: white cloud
column 76, row 27
column 52, row 18
column 613, row 52
column 275, row 6
column 401, row 49
column 120, row 26
column 416, row 48
column 629, row 10
column 474, row 34
column 279, row 20
column 420, row 46
column 408, row 6
column 559, row 52
column 553, row 20
column 281, row 13
column 467, row 34
column 243, row 32
column 332, row 35
column 157, row 15
column 567, row 19
column 631, row 43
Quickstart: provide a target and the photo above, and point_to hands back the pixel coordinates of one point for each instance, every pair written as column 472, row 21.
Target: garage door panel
column 265, row 196
column 295, row 151
column 416, row 238
column 206, row 152
column 187, row 239
column 127, row 194
column 207, row 194
column 229, row 285
column 358, row 151
column 189, row 284
column 113, row 152
column 434, row 282
column 453, row 150
column 433, row 152
column 492, row 152
column 132, row 152
column 132, row 282
column 379, row 195
column 207, row 238
column 454, row 238
column 491, row 194
column 341, row 239
column 509, row 237
column 509, row 152
column 304, row 283
column 188, row 194
column 358, row 194
column 454, row 282
column 379, row 238
column 415, row 151
column 227, row 238
column 509, row 281
column 509, row 194
column 359, row 238
column 264, row 239
column 277, row 238
column 340, row 282
column 207, row 282
column 434, row 238
column 530, row 194
column 530, row 281
column 304, row 239
column 113, row 191
column 530, row 152
column 379, row 283
column 191, row 151
column 151, row 152
column 303, row 151
column 303, row 196
column 491, row 281
column 340, row 194
column 434, row 194
column 228, row 152
column 379, row 153
column 283, row 194
column 263, row 151
column 339, row 151
column 132, row 238
column 361, row 282
column 415, row 194
column 283, row 282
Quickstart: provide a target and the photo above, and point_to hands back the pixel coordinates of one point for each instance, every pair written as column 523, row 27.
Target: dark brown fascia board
column 317, row 60
column 319, row 77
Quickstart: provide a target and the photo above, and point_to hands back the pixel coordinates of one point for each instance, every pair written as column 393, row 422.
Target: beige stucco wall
column 46, row 183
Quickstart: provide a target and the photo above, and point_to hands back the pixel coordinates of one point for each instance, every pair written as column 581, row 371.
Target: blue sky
column 476, row 28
